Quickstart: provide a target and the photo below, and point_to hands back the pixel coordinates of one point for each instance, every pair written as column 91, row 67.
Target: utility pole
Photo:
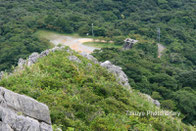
column 92, row 30
column 158, row 35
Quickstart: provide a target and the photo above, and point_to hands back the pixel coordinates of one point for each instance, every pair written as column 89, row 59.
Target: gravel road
column 73, row 42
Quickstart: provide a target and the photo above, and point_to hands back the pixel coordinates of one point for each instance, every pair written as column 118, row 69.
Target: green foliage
column 119, row 40
column 20, row 19
column 155, row 77
column 102, row 44
column 99, row 31
column 164, row 80
column 109, row 16
column 113, row 19
column 186, row 101
column 168, row 104
column 156, row 95
column 188, row 79
column 84, row 98
column 84, row 30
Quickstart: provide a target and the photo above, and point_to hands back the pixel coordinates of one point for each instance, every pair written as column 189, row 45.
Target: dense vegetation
column 86, row 97
column 172, row 86
column 170, row 80
column 20, row 18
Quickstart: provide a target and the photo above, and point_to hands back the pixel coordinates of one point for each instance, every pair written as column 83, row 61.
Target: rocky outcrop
column 123, row 80
column 129, row 43
column 22, row 113
column 90, row 57
column 150, row 99
column 33, row 58
column 121, row 77
column 74, row 59
column 117, row 71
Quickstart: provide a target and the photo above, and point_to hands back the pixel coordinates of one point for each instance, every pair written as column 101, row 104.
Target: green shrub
column 81, row 97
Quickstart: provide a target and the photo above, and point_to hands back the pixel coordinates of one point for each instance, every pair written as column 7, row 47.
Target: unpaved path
column 73, row 42
column 76, row 43
column 161, row 48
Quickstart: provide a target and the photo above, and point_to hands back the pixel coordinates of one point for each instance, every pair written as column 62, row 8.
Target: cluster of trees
column 110, row 17
column 163, row 79
column 172, row 86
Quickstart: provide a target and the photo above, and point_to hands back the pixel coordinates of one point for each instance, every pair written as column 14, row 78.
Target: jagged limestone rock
column 74, row 59
column 90, row 57
column 157, row 103
column 150, row 99
column 21, row 62
column 33, row 58
column 45, row 127
column 129, row 43
column 22, row 113
column 5, row 127
column 44, row 53
column 117, row 71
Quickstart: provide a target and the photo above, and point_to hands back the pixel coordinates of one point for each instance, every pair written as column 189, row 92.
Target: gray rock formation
column 150, row 99
column 33, row 58
column 121, row 77
column 22, row 113
column 21, row 62
column 117, row 71
column 129, row 43
column 157, row 103
column 90, row 57
column 5, row 127
column 74, row 59
column 44, row 53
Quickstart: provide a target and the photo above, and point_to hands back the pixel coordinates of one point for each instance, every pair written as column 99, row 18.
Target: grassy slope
column 85, row 98
column 102, row 45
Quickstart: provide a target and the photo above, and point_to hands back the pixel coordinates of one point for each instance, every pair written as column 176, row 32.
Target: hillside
column 19, row 19
column 169, row 76
column 82, row 95
column 172, row 86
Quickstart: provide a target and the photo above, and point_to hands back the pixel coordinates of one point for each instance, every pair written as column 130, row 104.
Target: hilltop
column 83, row 95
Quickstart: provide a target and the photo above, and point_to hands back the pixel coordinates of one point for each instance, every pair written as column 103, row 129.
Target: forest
column 171, row 79
column 19, row 19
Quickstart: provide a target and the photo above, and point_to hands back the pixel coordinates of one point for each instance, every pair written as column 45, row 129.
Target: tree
column 156, row 95
column 188, row 79
column 119, row 40
column 64, row 25
column 186, row 102
column 83, row 30
column 99, row 31
column 168, row 104
column 109, row 15
column 164, row 80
